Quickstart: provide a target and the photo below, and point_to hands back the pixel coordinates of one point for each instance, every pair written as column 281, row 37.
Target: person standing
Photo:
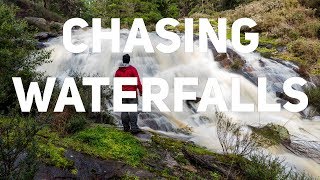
column 129, row 119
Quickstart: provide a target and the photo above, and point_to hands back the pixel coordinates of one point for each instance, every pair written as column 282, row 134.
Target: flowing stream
column 202, row 126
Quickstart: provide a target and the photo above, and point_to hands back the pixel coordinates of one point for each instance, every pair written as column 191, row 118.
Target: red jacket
column 129, row 71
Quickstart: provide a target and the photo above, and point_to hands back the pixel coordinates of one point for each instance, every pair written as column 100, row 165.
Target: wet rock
column 281, row 48
column 226, row 63
column 144, row 137
column 269, row 46
column 41, row 45
column 220, row 57
column 154, row 121
column 42, row 36
column 169, row 161
column 272, row 134
column 212, row 48
column 227, row 60
column 53, row 35
column 283, row 96
column 91, row 168
column 248, row 69
column 261, row 63
column 204, row 119
column 190, row 104
column 51, row 172
column 151, row 124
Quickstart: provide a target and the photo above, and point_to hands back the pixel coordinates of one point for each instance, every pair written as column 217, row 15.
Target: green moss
column 265, row 52
column 237, row 64
column 167, row 174
column 168, row 143
column 198, row 150
column 48, row 152
column 180, row 158
column 129, row 176
column 264, row 40
column 106, row 142
column 289, row 57
column 53, row 155
column 74, row 171
column 272, row 134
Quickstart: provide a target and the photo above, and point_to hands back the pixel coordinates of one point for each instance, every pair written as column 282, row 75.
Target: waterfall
column 202, row 126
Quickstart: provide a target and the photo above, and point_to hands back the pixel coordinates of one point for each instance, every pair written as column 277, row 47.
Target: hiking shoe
column 136, row 131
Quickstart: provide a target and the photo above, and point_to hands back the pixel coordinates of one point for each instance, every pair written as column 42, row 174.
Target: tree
column 17, row 148
column 127, row 10
column 18, row 54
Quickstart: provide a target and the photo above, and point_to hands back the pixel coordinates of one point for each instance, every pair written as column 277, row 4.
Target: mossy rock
column 272, row 134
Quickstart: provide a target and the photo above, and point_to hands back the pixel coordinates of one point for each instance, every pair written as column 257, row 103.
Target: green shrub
column 307, row 49
column 265, row 167
column 18, row 148
column 314, row 97
column 77, row 123
column 314, row 4
column 18, row 54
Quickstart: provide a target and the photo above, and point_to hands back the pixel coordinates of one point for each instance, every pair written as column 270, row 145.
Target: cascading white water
column 201, row 65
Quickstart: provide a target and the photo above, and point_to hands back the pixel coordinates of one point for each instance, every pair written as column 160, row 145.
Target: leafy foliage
column 232, row 138
column 17, row 148
column 76, row 123
column 314, row 97
column 65, row 8
column 18, row 54
column 264, row 166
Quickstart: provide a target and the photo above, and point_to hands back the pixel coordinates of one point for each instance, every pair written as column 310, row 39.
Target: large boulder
column 42, row 36
column 272, row 134
column 38, row 22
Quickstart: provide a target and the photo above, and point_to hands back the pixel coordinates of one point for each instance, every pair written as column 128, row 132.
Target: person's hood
column 123, row 66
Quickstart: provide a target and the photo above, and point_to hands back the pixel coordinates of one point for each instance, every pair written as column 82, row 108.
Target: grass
column 168, row 143
column 97, row 140
column 110, row 143
column 107, row 143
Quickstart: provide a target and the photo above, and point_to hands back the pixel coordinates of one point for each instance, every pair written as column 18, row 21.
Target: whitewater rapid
column 196, row 64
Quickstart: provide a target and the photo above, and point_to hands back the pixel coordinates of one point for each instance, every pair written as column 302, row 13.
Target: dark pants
column 129, row 119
